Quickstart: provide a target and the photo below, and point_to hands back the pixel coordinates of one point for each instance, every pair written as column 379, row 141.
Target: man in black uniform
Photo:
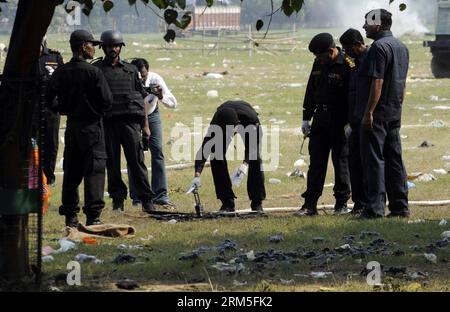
column 353, row 43
column 326, row 100
column 126, row 124
column 49, row 61
column 385, row 173
column 83, row 95
column 230, row 118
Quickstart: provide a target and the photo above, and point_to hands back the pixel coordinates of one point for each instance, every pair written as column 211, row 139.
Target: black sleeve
column 139, row 85
column 202, row 154
column 309, row 106
column 104, row 91
column 377, row 62
column 52, row 89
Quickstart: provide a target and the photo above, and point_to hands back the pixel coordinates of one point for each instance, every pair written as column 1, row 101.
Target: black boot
column 72, row 221
column 118, row 205
column 256, row 206
column 227, row 205
column 308, row 209
column 340, row 208
column 147, row 206
column 93, row 220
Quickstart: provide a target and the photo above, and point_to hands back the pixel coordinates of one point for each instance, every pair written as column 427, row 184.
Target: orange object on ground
column 90, row 241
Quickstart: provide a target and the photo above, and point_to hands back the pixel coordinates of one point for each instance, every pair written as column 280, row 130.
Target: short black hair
column 351, row 37
column 140, row 63
column 76, row 46
column 385, row 17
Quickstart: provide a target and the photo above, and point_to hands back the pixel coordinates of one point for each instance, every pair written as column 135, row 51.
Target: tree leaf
column 259, row 24
column 297, row 5
column 170, row 16
column 209, row 3
column 287, row 8
column 390, row 1
column 161, row 4
column 181, row 4
column 170, row 35
column 185, row 20
column 402, row 7
column 108, row 5
column 131, row 2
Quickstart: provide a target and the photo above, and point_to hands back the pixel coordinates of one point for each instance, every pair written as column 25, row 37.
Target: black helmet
column 112, row 37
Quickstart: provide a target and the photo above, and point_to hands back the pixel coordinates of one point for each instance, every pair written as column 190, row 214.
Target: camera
column 153, row 89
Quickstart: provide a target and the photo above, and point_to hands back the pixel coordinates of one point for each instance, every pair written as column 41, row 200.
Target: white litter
column 416, row 221
column 212, row 94
column 274, row 181
column 442, row 107
column 443, row 222
column 164, row 59
column 440, row 171
column 46, row 259
column 438, row 124
column 445, row 235
column 434, row 98
column 446, row 158
column 426, row 178
column 65, row 245
column 136, row 44
column 256, row 107
column 430, row 257
column 250, row 255
column 214, row 76
column 173, row 221
column 321, row 274
column 294, row 85
column 148, row 238
column 215, row 232
column 299, row 163
column 88, row 258
column 239, row 284
column 287, row 282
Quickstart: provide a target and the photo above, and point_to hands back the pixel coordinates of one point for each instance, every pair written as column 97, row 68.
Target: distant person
column 83, row 95
column 353, row 43
column 326, row 103
column 49, row 61
column 159, row 178
column 384, row 171
column 230, row 118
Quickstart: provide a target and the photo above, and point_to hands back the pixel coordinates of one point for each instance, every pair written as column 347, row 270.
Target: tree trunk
column 18, row 95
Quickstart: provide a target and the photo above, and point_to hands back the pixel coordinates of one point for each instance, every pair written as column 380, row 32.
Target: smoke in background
column 411, row 21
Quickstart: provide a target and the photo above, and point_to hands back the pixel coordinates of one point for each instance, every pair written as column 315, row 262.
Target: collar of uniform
column 383, row 34
column 76, row 59
column 340, row 58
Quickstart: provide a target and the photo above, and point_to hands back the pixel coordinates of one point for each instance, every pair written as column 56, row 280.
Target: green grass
column 262, row 80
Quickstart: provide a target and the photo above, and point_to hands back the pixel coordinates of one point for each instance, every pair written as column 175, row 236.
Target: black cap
column 81, row 35
column 351, row 37
column 321, row 43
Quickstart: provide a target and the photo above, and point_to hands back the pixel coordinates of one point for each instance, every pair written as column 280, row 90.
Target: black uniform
column 381, row 146
column 326, row 101
column 247, row 117
column 358, row 96
column 83, row 95
column 123, row 127
column 49, row 61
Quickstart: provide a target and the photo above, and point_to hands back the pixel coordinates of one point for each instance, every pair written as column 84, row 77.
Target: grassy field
column 274, row 81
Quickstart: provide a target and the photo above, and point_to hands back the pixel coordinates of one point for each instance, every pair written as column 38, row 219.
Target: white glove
column 50, row 70
column 239, row 174
column 306, row 127
column 348, row 132
column 195, row 185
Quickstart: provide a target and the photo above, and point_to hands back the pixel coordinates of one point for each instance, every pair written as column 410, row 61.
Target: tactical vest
column 127, row 100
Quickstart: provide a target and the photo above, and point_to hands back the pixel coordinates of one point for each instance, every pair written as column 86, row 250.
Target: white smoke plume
column 351, row 13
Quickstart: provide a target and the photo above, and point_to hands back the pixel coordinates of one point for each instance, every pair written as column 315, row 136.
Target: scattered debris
column 416, row 221
column 212, row 94
column 426, row 178
column 276, row 238
column 300, row 163
column 317, row 240
column 215, row 232
column 148, row 238
column 172, row 221
column 90, row 241
column 443, row 222
column 46, row 259
column 164, row 59
column 194, row 255
column 410, row 185
column 131, row 247
column 287, row 282
column 445, row 235
column 225, row 246
column 321, row 274
column 442, row 243
column 393, row 271
column 124, row 259
column 365, row 234
column 294, row 85
column 446, row 158
column 213, row 75
column 127, row 285
column 274, row 181
column 47, row 251
column 229, row 268
column 417, row 275
column 250, row 255
column 430, row 257
column 239, row 284
column 437, row 124
column 88, row 258
column 297, row 173
column 343, row 248
column 426, row 144
column 434, row 98
column 440, row 171
column 65, row 245
column 441, row 107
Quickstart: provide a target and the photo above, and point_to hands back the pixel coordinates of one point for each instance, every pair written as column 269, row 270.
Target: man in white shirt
column 155, row 85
